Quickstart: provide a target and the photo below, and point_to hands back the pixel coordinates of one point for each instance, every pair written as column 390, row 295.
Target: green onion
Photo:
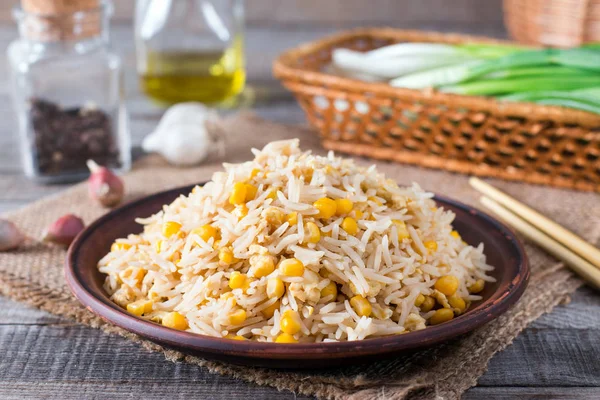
column 349, row 60
column 435, row 77
column 414, row 49
column 586, row 58
column 499, row 86
column 551, row 70
column 490, row 51
column 547, row 94
column 592, row 93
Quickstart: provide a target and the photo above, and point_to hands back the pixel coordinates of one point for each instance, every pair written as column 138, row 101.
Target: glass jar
column 190, row 50
column 67, row 90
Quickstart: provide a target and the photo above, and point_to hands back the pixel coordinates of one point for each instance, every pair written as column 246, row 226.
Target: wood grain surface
column 42, row 356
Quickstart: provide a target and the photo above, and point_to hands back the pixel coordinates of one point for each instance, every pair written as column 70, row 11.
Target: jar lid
column 55, row 20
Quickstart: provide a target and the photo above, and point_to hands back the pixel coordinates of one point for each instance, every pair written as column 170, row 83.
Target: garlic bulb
column 10, row 236
column 183, row 136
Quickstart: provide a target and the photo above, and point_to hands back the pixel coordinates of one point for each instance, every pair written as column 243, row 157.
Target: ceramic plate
column 503, row 250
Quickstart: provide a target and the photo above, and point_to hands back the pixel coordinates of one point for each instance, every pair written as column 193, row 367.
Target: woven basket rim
column 285, row 68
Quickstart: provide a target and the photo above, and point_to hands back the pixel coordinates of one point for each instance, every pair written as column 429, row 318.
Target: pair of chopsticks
column 579, row 255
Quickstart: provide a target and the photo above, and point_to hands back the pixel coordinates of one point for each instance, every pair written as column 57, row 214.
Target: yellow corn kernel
column 240, row 211
column 419, row 300
column 272, row 195
column 206, row 232
column 477, row 287
column 290, row 322
column 226, row 256
column 402, row 230
column 455, row 234
column 324, row 272
column 326, row 206
column 175, row 257
column 230, row 298
column 313, row 231
column 330, row 290
column 431, row 246
column 274, row 216
column 350, row 226
column 358, row 214
column 117, row 246
column 291, row 267
column 158, row 245
column 237, row 317
column 292, row 218
column 268, row 312
column 457, row 302
column 263, row 266
column 238, row 193
column 375, row 200
column 175, row 320
column 135, row 273
column 237, row 280
column 275, row 288
column 246, row 285
column 447, row 284
column 361, row 306
column 427, row 304
column 343, row 206
column 254, row 172
column 250, row 192
column 235, row 337
column 170, row 228
column 307, row 175
column 140, row 307
column 441, row 315
column 285, row 338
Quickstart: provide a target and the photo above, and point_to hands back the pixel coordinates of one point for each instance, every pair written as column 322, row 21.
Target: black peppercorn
column 64, row 139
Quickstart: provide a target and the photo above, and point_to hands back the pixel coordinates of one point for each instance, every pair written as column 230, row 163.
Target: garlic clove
column 104, row 186
column 10, row 236
column 182, row 136
column 64, row 230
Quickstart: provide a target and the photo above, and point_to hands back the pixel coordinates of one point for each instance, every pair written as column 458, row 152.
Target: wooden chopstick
column 560, row 234
column 583, row 268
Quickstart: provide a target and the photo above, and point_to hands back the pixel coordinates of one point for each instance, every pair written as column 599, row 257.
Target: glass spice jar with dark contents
column 67, row 90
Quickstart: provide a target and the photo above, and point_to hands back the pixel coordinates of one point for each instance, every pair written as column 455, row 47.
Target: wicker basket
column 517, row 141
column 563, row 23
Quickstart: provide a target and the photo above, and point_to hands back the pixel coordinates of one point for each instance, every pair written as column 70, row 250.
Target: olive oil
column 208, row 77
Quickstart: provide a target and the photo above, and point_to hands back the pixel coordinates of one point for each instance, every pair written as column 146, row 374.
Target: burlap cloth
column 35, row 275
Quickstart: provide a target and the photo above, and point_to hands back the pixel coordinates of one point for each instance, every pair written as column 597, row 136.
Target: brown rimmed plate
column 504, row 251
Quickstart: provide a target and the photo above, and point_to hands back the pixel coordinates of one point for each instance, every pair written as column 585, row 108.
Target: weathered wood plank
column 13, row 313
column 80, row 362
column 547, row 357
column 583, row 312
column 75, row 353
column 344, row 11
column 119, row 390
column 532, row 393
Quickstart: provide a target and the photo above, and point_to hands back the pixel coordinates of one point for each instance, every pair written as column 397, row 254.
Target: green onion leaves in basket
column 562, row 77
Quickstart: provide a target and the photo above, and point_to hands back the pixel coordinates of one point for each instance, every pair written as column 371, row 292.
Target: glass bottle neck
column 77, row 32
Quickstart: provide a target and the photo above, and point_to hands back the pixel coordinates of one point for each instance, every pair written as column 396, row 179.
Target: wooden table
column 42, row 356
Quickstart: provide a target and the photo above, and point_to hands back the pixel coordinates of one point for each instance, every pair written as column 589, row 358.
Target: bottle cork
column 53, row 20
column 57, row 7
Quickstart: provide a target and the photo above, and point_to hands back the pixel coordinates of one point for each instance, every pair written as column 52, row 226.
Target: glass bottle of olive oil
column 190, row 50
